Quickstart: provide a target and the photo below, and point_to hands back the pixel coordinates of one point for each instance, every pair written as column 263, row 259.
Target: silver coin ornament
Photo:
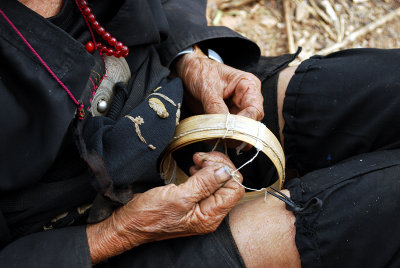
column 117, row 71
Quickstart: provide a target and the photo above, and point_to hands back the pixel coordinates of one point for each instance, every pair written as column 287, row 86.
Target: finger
column 193, row 170
column 214, row 104
column 205, row 159
column 224, row 199
column 252, row 112
column 249, row 99
column 205, row 182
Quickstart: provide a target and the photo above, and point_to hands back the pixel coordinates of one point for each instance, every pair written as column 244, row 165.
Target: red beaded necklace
column 119, row 49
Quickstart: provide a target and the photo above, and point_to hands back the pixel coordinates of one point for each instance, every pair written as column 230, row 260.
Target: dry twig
column 320, row 12
column 289, row 29
column 234, row 4
column 361, row 32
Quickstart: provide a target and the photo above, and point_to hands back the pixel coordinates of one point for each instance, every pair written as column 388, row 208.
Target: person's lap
column 341, row 105
column 217, row 249
column 350, row 212
column 335, row 107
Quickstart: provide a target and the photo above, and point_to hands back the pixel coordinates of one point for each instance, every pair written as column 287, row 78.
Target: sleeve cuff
column 210, row 53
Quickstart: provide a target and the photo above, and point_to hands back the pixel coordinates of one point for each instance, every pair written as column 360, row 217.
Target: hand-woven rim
column 213, row 126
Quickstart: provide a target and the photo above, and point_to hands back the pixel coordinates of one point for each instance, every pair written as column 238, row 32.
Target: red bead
column 110, row 52
column 89, row 47
column 119, row 45
column 87, row 11
column 124, row 53
column 112, row 41
column 100, row 46
column 100, row 30
column 117, row 54
column 96, row 24
column 103, row 50
column 91, row 18
column 106, row 36
column 119, row 51
column 124, row 49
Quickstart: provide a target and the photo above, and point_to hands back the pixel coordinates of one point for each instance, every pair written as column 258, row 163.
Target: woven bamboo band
column 215, row 126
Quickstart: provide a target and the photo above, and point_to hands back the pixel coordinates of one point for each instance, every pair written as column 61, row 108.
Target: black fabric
column 118, row 145
column 341, row 105
column 71, row 21
column 31, row 209
column 217, row 249
column 338, row 106
column 35, row 145
column 34, row 136
column 188, row 17
column 45, row 249
column 357, row 224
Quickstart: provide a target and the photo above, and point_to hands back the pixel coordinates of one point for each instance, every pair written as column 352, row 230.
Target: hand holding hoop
column 236, row 127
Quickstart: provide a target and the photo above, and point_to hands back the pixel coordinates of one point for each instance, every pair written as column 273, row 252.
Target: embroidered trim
column 158, row 107
column 164, row 97
column 157, row 89
column 151, row 146
column 138, row 120
column 178, row 114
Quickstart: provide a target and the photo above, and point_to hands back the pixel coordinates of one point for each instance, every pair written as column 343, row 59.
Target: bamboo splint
column 216, row 126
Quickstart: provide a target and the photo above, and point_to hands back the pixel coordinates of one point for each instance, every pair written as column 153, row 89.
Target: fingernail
column 223, row 173
column 201, row 155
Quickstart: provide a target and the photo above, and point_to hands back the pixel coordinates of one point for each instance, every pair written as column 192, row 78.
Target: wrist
column 185, row 56
column 108, row 238
column 187, row 59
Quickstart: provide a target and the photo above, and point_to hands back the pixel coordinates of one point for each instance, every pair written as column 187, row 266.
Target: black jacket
column 38, row 118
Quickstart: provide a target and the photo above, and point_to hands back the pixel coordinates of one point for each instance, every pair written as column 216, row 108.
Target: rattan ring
column 216, row 126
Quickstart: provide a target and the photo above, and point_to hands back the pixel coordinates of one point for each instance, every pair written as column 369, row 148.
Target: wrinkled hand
column 195, row 207
column 216, row 88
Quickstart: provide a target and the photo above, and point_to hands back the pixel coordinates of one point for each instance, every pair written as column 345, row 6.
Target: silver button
column 102, row 106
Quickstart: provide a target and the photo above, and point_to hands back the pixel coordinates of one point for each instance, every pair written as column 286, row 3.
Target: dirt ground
column 320, row 27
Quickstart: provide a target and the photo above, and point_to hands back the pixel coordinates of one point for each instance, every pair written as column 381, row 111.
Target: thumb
column 206, row 182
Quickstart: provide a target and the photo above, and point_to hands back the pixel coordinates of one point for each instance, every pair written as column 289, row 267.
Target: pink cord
column 79, row 105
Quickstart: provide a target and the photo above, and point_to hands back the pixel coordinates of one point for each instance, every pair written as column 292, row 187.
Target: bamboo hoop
column 215, row 126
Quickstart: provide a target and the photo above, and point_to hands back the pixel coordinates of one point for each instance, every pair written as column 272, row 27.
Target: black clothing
column 349, row 218
column 217, row 249
column 340, row 105
column 40, row 168
column 41, row 173
column 356, row 224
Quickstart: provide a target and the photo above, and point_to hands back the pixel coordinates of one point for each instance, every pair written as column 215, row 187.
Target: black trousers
column 342, row 134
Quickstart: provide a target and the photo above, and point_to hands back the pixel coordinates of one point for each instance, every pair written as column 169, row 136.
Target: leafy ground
column 318, row 26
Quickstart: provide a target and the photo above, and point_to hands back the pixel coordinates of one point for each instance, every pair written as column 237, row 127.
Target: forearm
column 107, row 239
column 195, row 207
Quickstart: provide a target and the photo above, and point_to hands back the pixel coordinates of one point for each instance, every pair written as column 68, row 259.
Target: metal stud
column 102, row 106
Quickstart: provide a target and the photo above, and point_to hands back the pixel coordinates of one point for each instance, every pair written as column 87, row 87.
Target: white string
column 235, row 176
column 259, row 147
column 227, row 126
column 215, row 146
column 225, row 134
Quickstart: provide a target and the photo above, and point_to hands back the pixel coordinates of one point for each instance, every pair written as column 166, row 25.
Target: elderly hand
column 195, row 207
column 216, row 88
